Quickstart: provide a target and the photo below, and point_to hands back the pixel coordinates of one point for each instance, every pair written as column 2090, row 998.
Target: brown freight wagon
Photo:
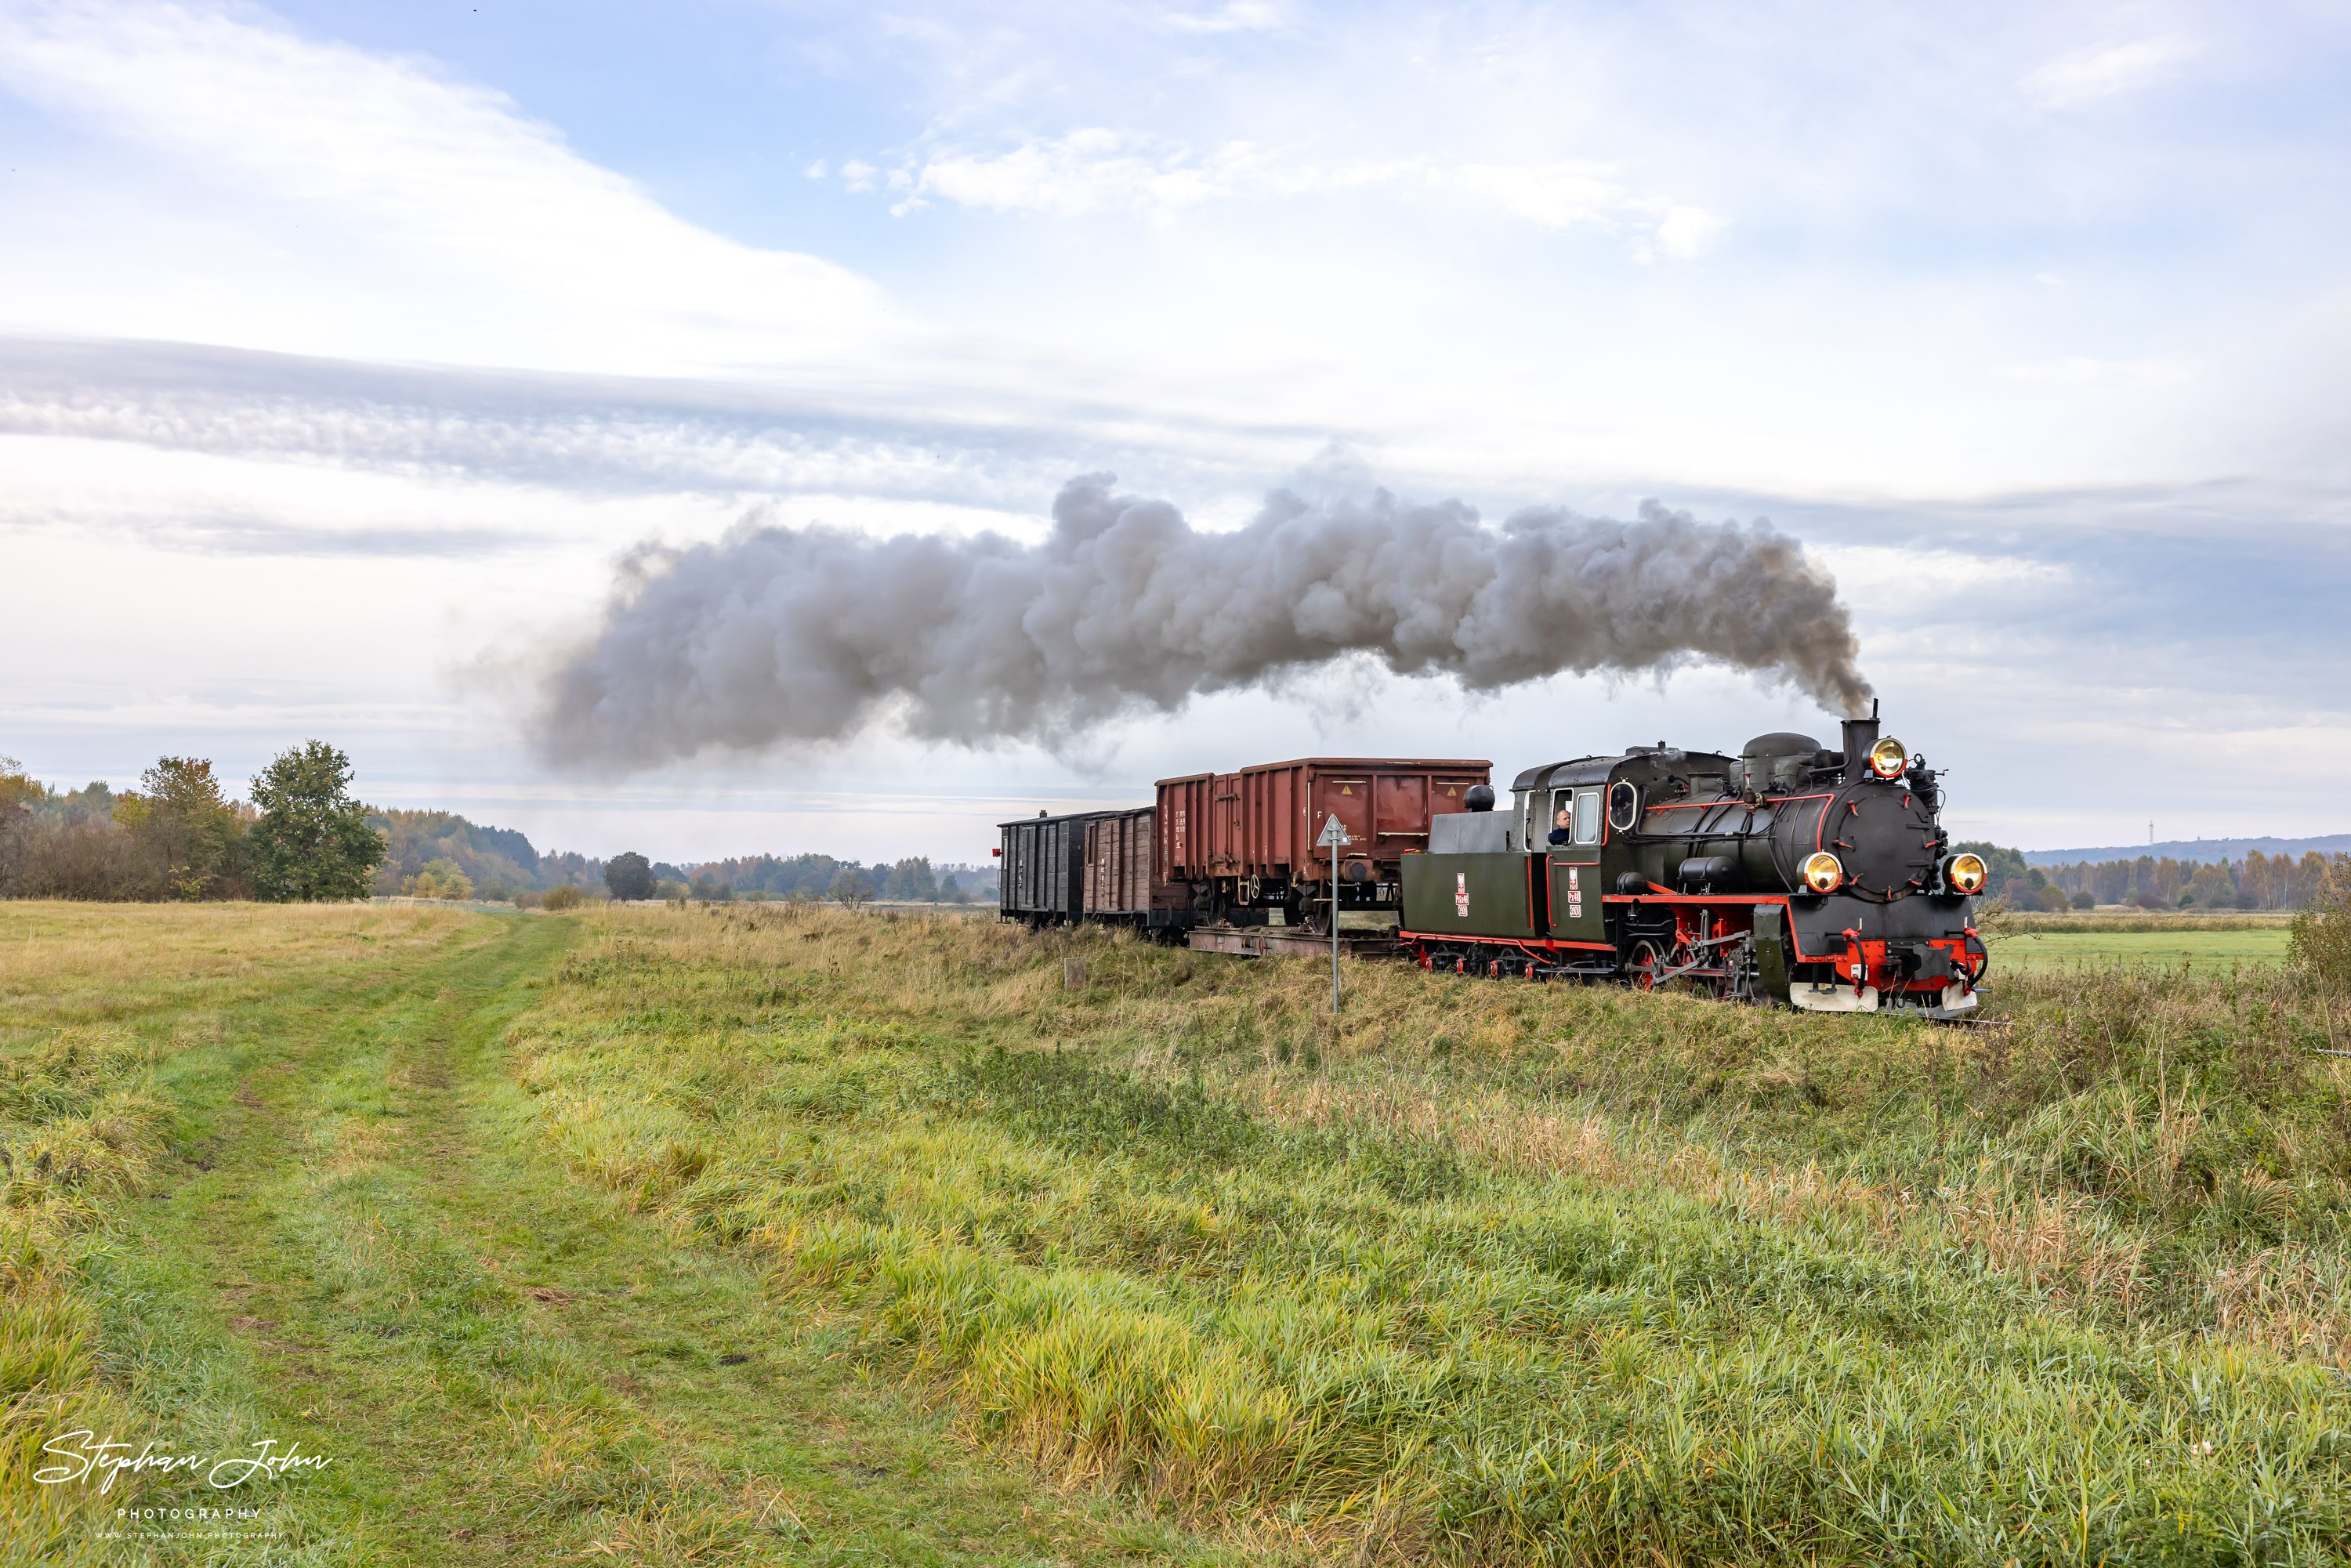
column 1243, row 843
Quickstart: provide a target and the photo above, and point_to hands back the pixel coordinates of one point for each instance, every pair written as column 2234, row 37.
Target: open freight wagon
column 1242, row 844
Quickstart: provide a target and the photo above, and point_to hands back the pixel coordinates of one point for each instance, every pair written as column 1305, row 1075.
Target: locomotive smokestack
column 776, row 634
column 1860, row 735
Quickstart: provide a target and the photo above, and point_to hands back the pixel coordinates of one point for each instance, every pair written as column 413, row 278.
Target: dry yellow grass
column 72, row 963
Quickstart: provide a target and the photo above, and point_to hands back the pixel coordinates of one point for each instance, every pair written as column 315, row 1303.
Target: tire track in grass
column 363, row 1257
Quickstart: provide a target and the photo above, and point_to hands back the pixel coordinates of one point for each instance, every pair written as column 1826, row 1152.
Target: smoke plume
column 778, row 633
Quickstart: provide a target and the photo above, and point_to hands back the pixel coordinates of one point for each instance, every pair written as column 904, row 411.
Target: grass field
column 2101, row 949
column 784, row 1235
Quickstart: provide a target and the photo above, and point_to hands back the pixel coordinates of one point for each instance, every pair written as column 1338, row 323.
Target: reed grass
column 1499, row 1273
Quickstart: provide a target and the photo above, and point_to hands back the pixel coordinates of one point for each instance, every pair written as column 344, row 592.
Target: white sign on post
column 1334, row 836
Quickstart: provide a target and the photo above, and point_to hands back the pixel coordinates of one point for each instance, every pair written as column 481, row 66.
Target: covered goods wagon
column 1086, row 865
column 1043, row 879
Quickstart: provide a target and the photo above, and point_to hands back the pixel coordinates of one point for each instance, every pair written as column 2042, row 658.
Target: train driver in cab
column 1562, row 827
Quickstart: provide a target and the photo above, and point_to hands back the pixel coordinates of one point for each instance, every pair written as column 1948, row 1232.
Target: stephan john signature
column 113, row 1459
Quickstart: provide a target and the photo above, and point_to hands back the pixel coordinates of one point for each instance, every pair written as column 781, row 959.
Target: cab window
column 1587, row 817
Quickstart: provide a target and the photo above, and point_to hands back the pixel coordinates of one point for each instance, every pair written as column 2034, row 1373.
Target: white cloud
column 1684, row 230
column 1235, row 16
column 1087, row 171
column 1097, row 169
column 2103, row 71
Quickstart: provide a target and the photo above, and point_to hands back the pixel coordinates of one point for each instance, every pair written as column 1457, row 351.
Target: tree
column 183, row 823
column 850, row 889
column 18, row 792
column 629, row 875
column 440, row 879
column 2085, row 899
column 911, row 880
column 948, row 891
column 2321, row 942
column 311, row 842
column 561, row 898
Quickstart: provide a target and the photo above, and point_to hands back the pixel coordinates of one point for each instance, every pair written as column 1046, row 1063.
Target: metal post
column 1334, row 836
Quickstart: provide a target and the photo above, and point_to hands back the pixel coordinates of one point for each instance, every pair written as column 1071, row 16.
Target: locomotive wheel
column 1647, row 964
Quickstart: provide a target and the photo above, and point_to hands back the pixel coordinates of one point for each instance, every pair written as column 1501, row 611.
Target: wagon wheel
column 1647, row 964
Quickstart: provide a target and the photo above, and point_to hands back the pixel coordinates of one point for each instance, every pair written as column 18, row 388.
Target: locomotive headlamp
column 1966, row 874
column 1888, row 757
column 1823, row 872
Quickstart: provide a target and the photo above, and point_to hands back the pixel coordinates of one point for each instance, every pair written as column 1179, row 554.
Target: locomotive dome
column 1781, row 743
column 1778, row 761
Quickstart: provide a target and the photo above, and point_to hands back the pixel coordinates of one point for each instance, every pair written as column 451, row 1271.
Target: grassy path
column 358, row 1255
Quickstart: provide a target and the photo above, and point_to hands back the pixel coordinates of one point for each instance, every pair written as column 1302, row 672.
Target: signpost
column 1333, row 836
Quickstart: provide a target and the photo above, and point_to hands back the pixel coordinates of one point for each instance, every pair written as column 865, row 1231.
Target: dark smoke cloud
column 806, row 634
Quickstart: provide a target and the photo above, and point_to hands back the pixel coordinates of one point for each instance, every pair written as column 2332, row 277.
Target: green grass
column 752, row 1236
column 2100, row 949
column 1508, row 1273
column 331, row 1229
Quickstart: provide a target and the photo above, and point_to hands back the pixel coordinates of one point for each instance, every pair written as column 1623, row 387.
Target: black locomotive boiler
column 1819, row 879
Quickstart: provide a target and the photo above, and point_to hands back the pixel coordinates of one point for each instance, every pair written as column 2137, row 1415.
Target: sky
column 346, row 351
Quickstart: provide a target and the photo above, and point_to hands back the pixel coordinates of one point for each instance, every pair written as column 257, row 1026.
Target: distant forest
column 179, row 837
column 2150, row 881
column 428, row 852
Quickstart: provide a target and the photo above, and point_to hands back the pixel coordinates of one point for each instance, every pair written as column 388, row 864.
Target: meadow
column 2110, row 950
column 769, row 1234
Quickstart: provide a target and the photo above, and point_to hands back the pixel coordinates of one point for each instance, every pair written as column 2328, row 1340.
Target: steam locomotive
column 1816, row 878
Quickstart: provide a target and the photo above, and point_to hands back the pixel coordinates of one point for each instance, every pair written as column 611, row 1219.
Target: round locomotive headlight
column 1823, row 872
column 1966, row 874
column 1888, row 757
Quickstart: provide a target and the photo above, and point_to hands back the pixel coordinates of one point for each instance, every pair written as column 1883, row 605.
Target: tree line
column 2257, row 882
column 300, row 837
